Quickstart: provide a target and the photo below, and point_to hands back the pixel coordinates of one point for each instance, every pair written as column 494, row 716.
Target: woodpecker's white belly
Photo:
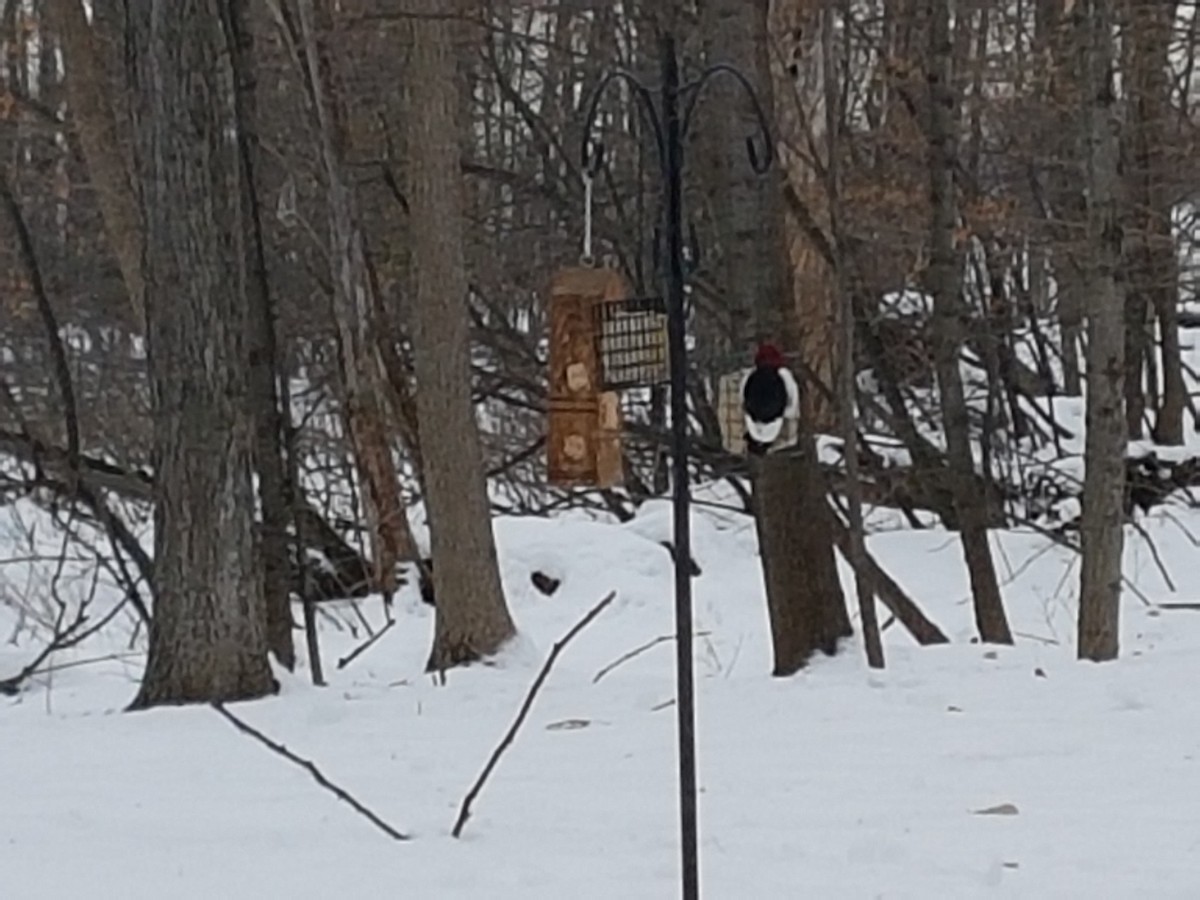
column 764, row 432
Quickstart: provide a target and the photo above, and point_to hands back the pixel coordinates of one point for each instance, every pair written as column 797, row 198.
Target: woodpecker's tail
column 756, row 448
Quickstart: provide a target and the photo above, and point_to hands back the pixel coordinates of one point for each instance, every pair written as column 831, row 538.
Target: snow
column 836, row 782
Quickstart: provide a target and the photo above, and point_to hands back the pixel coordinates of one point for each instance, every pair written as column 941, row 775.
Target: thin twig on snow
column 464, row 811
column 365, row 645
column 638, row 651
column 312, row 769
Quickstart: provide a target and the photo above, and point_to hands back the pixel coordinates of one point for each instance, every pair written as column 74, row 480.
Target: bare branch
column 365, row 645
column 464, row 812
column 312, row 769
column 638, row 651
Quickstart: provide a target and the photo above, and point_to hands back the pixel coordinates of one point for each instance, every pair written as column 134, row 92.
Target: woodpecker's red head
column 768, row 356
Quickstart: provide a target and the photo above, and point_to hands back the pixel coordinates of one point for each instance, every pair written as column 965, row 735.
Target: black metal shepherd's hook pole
column 681, row 500
column 670, row 128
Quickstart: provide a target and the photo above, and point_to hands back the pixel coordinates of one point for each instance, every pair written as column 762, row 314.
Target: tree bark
column 798, row 99
column 208, row 635
column 736, row 194
column 805, row 603
column 804, row 595
column 1060, row 136
column 269, row 459
column 88, row 94
column 355, row 312
column 846, row 386
column 950, row 331
column 1102, row 523
column 1153, row 281
column 472, row 619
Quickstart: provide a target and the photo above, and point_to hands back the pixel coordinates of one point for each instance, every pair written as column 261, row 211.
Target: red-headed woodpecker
column 770, row 395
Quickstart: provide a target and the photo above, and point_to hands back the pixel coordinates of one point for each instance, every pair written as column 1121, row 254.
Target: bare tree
column 1153, row 279
column 805, row 602
column 208, row 634
column 90, row 97
column 945, row 265
column 354, row 302
column 735, row 31
column 1102, row 525
column 835, row 77
column 269, row 460
column 472, row 617
column 794, row 50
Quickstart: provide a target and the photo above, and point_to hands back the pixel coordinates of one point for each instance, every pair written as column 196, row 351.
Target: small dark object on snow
column 545, row 583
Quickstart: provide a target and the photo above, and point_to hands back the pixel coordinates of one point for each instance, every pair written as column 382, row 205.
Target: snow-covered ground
column 835, row 783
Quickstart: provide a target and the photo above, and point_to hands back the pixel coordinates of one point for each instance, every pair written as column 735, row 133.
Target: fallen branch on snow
column 363, row 647
column 464, row 812
column 638, row 651
column 66, row 635
column 312, row 769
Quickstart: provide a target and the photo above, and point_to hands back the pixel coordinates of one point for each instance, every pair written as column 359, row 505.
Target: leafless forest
column 274, row 275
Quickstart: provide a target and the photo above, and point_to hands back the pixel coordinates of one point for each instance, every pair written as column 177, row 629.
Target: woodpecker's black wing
column 764, row 395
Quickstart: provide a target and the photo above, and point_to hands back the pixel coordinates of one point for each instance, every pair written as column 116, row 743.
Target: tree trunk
column 88, row 94
column 264, row 356
column 1102, row 524
column 950, row 331
column 208, row 635
column 799, row 104
column 805, row 603
column 356, row 314
column 472, row 619
column 1060, row 138
column 846, row 386
column 737, row 195
column 1154, row 275
column 804, row 595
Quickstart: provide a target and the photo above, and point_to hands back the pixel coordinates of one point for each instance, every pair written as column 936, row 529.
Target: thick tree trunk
column 804, row 595
column 950, row 332
column 737, row 195
column 472, row 618
column 1102, row 524
column 208, row 635
column 805, row 603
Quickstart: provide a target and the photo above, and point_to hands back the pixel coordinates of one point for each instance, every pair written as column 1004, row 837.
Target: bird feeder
column 581, row 444
column 632, row 336
column 601, row 341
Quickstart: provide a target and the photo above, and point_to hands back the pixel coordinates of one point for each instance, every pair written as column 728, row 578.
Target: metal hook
column 586, row 258
column 760, row 161
column 693, row 247
column 760, row 164
column 593, row 158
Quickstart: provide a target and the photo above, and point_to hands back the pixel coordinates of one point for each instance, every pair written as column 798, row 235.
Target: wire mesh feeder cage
column 732, row 419
column 631, row 337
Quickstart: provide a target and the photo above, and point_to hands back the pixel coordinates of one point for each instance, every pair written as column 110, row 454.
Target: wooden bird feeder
column 601, row 341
